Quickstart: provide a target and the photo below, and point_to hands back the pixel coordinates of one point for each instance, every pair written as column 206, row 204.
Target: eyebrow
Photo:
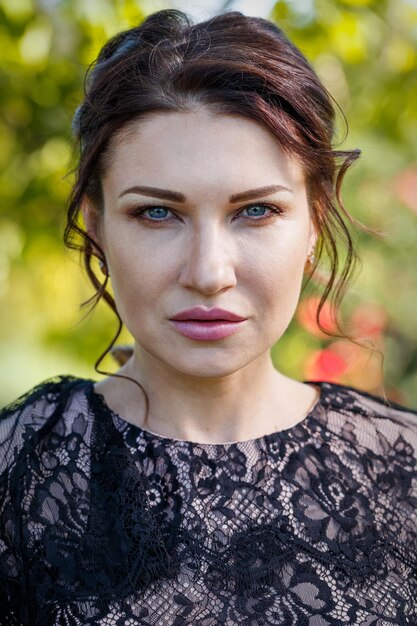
column 255, row 193
column 176, row 196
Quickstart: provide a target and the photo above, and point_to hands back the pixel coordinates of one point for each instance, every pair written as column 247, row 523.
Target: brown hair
column 231, row 64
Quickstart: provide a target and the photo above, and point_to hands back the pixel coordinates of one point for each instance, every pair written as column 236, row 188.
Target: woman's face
column 206, row 248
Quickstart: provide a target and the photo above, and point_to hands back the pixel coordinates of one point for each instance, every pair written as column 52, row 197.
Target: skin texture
column 204, row 251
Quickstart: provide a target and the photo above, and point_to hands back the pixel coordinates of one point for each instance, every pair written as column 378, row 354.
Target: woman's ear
column 92, row 221
column 314, row 211
column 313, row 236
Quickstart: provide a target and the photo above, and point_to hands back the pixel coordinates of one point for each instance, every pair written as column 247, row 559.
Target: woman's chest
column 289, row 537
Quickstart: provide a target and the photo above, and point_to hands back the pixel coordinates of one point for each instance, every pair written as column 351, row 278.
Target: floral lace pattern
column 103, row 523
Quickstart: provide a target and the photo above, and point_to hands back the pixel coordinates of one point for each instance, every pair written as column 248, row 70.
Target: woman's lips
column 207, row 330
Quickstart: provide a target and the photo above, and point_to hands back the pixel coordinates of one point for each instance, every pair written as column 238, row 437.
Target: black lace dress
column 104, row 523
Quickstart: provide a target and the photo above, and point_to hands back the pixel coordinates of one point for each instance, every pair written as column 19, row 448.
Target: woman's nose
column 209, row 262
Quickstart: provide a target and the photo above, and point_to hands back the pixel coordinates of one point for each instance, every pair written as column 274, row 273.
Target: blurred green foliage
column 365, row 51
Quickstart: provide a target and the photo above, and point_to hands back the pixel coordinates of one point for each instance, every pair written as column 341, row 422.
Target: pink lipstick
column 207, row 324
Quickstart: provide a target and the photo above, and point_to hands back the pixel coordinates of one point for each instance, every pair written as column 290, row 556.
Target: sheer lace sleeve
column 378, row 441
column 22, row 425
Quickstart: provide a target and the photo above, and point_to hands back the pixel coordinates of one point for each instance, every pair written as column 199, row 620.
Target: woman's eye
column 261, row 211
column 155, row 213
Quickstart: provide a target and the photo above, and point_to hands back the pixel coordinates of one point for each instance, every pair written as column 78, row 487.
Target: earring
column 103, row 267
column 311, row 257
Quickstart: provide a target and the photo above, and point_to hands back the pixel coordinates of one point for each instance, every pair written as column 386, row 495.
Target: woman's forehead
column 200, row 146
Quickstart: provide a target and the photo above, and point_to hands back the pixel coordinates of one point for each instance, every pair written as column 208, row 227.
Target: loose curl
column 229, row 64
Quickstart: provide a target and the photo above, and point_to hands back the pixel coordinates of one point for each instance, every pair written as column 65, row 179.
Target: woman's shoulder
column 362, row 401
column 355, row 400
column 34, row 413
column 370, row 418
column 39, row 402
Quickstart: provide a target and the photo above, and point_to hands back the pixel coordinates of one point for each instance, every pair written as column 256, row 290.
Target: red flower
column 325, row 365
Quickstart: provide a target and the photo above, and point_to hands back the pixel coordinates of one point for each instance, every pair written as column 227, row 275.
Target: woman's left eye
column 261, row 211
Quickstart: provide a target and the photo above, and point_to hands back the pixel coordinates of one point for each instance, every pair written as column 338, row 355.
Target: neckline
column 99, row 401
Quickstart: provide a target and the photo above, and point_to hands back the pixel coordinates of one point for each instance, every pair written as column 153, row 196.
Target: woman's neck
column 246, row 404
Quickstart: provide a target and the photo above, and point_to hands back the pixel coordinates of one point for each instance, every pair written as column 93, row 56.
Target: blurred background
column 365, row 51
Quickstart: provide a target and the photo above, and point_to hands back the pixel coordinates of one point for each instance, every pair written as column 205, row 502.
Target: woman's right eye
column 156, row 213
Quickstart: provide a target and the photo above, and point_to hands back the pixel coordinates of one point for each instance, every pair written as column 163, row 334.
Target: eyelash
column 139, row 211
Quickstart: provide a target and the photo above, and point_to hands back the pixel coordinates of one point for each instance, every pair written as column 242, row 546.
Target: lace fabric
column 104, row 523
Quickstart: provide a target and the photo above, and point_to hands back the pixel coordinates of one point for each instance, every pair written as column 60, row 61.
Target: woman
column 200, row 485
